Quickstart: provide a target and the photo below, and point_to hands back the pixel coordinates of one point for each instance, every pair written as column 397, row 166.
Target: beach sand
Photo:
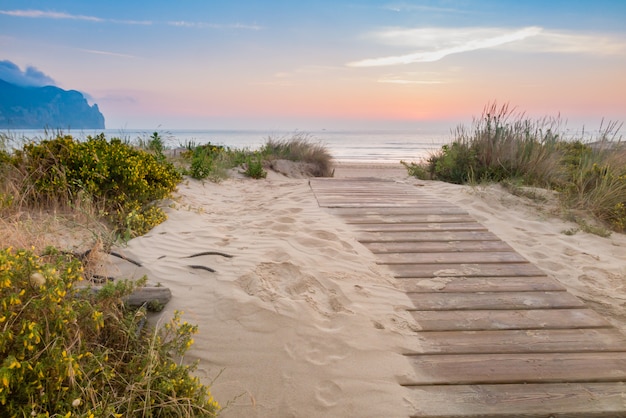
column 301, row 321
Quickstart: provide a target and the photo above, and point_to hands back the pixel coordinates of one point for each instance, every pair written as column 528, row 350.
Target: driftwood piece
column 151, row 295
column 154, row 297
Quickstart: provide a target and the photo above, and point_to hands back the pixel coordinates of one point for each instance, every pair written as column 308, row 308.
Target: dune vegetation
column 66, row 350
column 504, row 146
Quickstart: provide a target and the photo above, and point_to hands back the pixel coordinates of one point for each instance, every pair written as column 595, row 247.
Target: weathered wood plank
column 405, row 218
column 508, row 319
column 156, row 295
column 493, row 301
column 451, row 258
column 420, row 227
column 430, row 236
column 409, row 210
column 520, row 341
column 479, row 284
column 562, row 400
column 461, row 369
column 437, row 246
column 464, row 270
column 381, row 204
column 498, row 337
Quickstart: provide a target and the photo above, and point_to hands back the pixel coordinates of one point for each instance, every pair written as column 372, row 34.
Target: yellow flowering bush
column 66, row 351
column 125, row 180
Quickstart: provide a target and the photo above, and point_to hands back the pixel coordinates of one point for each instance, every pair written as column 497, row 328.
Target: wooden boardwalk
column 498, row 338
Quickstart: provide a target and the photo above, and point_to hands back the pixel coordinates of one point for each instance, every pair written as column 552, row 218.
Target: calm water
column 382, row 146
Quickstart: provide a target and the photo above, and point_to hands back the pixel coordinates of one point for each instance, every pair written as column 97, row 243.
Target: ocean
column 373, row 146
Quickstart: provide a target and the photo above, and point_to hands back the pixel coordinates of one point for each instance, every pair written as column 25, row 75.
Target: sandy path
column 301, row 321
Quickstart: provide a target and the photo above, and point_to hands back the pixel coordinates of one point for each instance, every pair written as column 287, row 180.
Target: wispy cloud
column 446, row 41
column 109, row 53
column 203, row 25
column 572, row 43
column 434, row 44
column 406, row 7
column 403, row 81
column 41, row 14
column 412, row 78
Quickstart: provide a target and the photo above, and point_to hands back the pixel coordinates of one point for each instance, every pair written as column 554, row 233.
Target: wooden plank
column 430, row 236
column 479, row 284
column 420, row 227
column 461, row 369
column 409, row 210
column 405, row 218
column 508, row 319
column 464, row 270
column 493, row 301
column 451, row 258
column 436, row 246
column 419, row 201
column 398, row 204
column 562, row 400
column 520, row 341
column 491, row 341
column 156, row 296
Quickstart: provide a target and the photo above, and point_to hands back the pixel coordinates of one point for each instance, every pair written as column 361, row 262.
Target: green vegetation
column 213, row 161
column 67, row 351
column 123, row 182
column 300, row 148
column 504, row 146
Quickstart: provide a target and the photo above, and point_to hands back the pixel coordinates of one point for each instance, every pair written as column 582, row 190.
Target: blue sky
column 322, row 64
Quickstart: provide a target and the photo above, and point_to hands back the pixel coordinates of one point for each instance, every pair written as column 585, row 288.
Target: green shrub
column 300, row 148
column 69, row 352
column 503, row 145
column 204, row 160
column 254, row 167
column 124, row 180
column 417, row 170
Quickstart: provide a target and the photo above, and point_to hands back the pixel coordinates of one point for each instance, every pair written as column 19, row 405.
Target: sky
column 310, row 65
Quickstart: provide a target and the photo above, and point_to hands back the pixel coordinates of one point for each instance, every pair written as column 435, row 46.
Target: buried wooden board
column 426, row 236
column 465, row 270
column 451, row 257
column 420, row 227
column 508, row 319
column 520, row 341
column 558, row 400
column 437, row 246
column 156, row 296
column 479, row 284
column 436, row 369
column 493, row 301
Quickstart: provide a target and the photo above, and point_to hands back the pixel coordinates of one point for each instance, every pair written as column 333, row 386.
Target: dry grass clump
column 506, row 145
column 301, row 148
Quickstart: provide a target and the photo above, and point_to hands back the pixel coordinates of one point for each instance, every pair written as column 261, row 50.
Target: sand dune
column 301, row 321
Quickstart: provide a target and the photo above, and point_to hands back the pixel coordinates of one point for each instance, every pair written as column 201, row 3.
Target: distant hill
column 46, row 107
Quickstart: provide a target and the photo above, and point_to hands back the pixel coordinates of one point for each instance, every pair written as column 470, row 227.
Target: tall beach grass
column 589, row 172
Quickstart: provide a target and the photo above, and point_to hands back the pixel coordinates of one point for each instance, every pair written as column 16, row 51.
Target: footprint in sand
column 312, row 350
column 328, row 393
